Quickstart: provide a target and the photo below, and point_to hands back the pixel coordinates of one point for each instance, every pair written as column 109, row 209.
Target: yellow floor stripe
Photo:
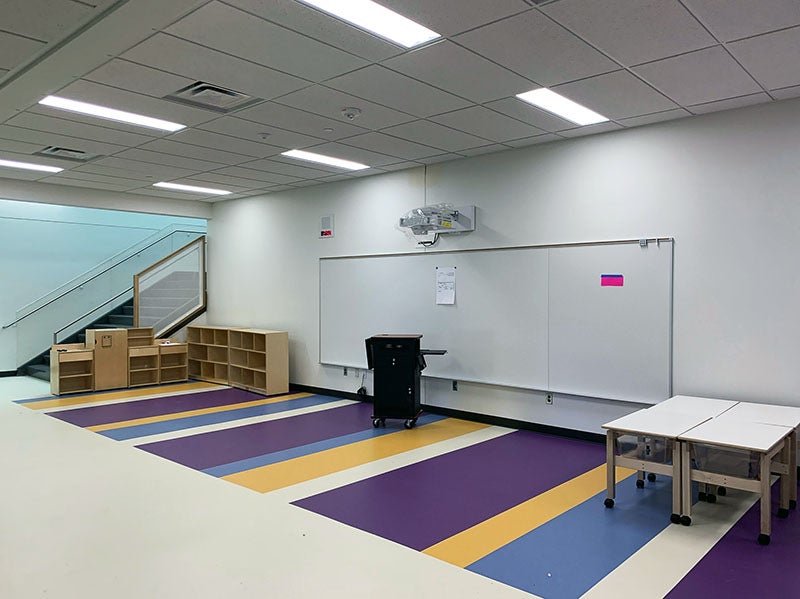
column 64, row 401
column 477, row 542
column 174, row 416
column 291, row 472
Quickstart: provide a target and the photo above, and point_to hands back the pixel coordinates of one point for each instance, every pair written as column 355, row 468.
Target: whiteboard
column 533, row 317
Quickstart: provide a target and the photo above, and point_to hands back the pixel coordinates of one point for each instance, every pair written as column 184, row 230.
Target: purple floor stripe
column 242, row 442
column 737, row 566
column 157, row 406
column 424, row 503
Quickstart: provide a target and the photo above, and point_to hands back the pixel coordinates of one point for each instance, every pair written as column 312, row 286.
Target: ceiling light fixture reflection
column 322, row 159
column 377, row 19
column 29, row 166
column 560, row 106
column 110, row 114
column 192, row 188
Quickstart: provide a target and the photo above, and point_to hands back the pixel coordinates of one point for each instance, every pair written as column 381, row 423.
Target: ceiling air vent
column 212, row 97
column 66, row 154
column 539, row 2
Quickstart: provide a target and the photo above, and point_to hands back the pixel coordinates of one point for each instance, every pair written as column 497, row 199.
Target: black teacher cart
column 397, row 361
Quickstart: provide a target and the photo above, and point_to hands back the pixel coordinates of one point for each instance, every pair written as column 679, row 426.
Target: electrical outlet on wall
column 548, row 399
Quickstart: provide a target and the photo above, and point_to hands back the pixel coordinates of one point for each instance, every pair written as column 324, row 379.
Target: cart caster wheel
column 408, row 423
column 783, row 512
column 362, row 393
column 376, row 422
column 383, row 422
column 675, row 518
column 763, row 539
column 722, row 491
column 711, row 498
column 792, row 504
column 640, row 484
column 701, row 496
column 608, row 502
column 686, row 520
column 651, row 477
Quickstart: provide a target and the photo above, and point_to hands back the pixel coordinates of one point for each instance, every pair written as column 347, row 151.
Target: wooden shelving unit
column 208, row 353
column 259, row 360
column 173, row 362
column 140, row 337
column 71, row 369
column 143, row 366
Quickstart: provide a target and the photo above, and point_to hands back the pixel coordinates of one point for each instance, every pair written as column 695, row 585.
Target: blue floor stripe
column 570, row 554
column 297, row 452
column 167, row 426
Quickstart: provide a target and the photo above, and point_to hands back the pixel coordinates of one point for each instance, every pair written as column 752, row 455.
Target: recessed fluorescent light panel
column 192, row 189
column 111, row 114
column 378, row 20
column 560, row 106
column 329, row 160
column 28, row 166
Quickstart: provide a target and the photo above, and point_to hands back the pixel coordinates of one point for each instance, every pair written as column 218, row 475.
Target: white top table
column 656, row 423
column 736, row 433
column 702, row 406
column 765, row 414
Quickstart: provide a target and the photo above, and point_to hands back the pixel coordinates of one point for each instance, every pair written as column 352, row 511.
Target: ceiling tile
column 616, row 95
column 14, row 50
column 320, row 26
column 286, row 117
column 487, row 124
column 449, row 17
column 330, row 103
column 137, row 168
column 440, row 158
column 735, row 19
column 657, row 117
column 14, row 173
column 226, row 143
column 340, row 150
column 92, row 168
column 40, row 121
column 773, row 59
column 257, row 175
column 230, row 30
column 46, row 160
column 96, row 93
column 21, row 147
column 401, row 166
column 168, row 146
column 786, row 93
column 397, row 91
column 391, row 146
column 59, row 180
column 200, row 183
column 534, row 141
column 293, row 168
column 460, row 71
column 3, row 73
column 258, row 133
column 703, row 76
column 120, row 181
column 198, row 63
column 43, row 139
column 159, row 158
column 137, row 78
column 527, row 113
column 537, row 48
column 436, row 136
column 44, row 20
column 484, row 150
column 173, row 195
column 223, row 180
column 729, row 103
column 632, row 31
column 591, row 130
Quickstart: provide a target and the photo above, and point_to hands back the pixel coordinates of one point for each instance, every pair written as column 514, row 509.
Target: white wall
column 44, row 246
column 723, row 185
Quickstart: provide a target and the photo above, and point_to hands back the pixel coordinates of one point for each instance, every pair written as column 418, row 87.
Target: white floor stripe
column 235, row 423
column 664, row 561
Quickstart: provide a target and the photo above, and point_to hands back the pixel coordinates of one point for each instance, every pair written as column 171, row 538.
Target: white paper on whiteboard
column 446, row 285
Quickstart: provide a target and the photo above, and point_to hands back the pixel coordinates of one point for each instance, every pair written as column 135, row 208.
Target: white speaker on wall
column 326, row 226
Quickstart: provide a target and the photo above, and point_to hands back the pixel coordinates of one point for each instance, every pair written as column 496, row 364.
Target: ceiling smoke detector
column 212, row 97
column 351, row 113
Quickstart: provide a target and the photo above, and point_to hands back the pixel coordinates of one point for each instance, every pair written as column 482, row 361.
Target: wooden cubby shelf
column 71, row 369
column 173, row 362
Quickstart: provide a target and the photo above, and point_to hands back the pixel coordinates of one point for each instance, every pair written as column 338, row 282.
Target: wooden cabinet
column 142, row 366
column 140, row 337
column 110, row 357
column 71, row 369
column 173, row 362
column 252, row 359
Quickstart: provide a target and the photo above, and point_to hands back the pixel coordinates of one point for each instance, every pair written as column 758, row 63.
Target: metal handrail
column 89, row 313
column 96, row 275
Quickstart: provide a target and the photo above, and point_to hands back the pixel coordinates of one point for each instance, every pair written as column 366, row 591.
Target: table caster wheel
column 701, row 496
column 608, row 502
column 376, row 422
column 722, row 491
column 675, row 518
column 639, row 484
column 763, row 539
column 711, row 498
column 409, row 423
column 651, row 477
column 792, row 504
column 686, row 520
column 783, row 512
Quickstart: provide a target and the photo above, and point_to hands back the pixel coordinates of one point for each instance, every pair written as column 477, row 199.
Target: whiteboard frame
column 658, row 240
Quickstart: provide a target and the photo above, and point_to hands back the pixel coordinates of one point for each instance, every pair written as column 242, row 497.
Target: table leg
column 786, row 478
column 686, row 484
column 675, row 517
column 611, row 471
column 793, row 469
column 764, row 471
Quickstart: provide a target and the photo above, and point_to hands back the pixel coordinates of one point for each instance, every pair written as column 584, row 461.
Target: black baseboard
column 8, row 373
column 484, row 418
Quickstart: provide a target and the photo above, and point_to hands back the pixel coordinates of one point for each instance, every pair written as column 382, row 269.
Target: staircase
column 119, row 318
